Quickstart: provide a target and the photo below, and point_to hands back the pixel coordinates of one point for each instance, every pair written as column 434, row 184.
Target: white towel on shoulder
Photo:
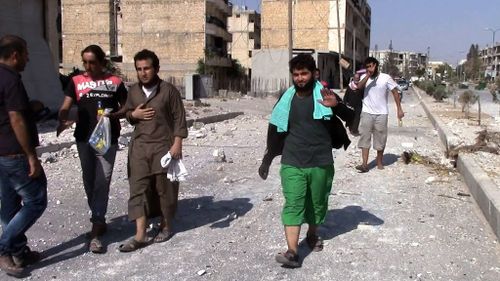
column 176, row 171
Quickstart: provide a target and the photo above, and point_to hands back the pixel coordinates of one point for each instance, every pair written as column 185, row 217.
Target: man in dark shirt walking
column 303, row 112
column 23, row 185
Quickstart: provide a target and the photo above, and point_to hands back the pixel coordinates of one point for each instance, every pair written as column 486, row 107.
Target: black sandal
column 315, row 243
column 132, row 245
column 362, row 168
column 288, row 259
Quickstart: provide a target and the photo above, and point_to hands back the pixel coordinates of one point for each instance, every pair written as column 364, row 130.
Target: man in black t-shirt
column 22, row 178
column 303, row 113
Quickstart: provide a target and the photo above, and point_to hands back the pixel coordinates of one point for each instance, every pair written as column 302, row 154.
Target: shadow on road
column 192, row 213
column 119, row 228
column 388, row 159
column 340, row 221
column 200, row 211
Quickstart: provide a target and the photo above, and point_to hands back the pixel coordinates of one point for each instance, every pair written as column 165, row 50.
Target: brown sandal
column 163, row 236
column 132, row 245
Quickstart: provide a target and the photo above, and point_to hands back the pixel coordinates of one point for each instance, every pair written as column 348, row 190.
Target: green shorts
column 306, row 192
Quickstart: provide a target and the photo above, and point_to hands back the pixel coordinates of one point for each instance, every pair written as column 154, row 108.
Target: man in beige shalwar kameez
column 156, row 109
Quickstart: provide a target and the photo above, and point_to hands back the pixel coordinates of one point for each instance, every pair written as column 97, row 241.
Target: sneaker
column 27, row 258
column 288, row 259
column 8, row 266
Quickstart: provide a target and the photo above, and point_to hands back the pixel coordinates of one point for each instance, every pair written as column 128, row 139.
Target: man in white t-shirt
column 374, row 114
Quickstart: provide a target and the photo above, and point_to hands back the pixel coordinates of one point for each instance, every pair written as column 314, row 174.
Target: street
column 406, row 222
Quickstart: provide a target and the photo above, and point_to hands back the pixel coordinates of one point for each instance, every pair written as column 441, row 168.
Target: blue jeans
column 23, row 201
column 97, row 170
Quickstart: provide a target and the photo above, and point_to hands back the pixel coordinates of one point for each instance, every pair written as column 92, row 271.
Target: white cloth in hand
column 176, row 171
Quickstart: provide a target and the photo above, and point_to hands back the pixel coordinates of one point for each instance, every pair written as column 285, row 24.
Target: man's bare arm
column 397, row 100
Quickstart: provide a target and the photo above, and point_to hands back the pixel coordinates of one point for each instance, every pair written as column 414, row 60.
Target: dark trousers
column 97, row 170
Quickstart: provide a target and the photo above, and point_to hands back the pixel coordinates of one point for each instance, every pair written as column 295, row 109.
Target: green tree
column 467, row 99
column 445, row 71
column 473, row 64
column 236, row 70
column 440, row 93
column 420, row 72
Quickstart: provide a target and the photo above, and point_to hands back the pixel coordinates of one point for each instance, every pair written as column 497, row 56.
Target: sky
column 448, row 27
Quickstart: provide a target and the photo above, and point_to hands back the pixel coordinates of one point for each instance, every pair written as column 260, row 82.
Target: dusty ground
column 407, row 222
column 467, row 130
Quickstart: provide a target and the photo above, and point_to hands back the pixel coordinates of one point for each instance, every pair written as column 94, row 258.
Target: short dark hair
column 10, row 44
column 371, row 60
column 147, row 54
column 302, row 61
column 97, row 51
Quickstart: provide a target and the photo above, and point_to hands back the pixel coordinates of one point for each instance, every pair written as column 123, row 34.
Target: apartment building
column 490, row 57
column 315, row 26
column 187, row 35
column 245, row 27
column 432, row 67
column 407, row 62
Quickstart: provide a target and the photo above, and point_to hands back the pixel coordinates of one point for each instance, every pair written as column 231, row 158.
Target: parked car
column 403, row 84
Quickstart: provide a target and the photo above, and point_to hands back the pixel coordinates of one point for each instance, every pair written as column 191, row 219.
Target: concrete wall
column 270, row 70
column 26, row 19
column 270, row 74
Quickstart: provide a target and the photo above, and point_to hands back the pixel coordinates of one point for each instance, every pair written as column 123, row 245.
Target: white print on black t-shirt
column 93, row 84
column 101, row 89
column 96, row 95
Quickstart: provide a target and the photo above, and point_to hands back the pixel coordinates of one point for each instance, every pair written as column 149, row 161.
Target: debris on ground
column 413, row 157
column 485, row 141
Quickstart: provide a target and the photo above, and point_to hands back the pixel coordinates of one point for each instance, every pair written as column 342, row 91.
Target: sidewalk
column 482, row 185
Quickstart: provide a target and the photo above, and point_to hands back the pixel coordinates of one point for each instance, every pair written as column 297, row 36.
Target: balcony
column 216, row 31
column 223, row 5
column 218, row 61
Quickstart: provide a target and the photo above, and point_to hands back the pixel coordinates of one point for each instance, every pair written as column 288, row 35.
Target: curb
column 483, row 189
column 206, row 120
column 443, row 132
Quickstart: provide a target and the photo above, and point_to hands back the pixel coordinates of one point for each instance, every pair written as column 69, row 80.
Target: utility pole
column 354, row 52
column 340, row 48
column 290, row 37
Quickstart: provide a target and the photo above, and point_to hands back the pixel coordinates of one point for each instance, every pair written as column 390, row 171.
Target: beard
column 307, row 87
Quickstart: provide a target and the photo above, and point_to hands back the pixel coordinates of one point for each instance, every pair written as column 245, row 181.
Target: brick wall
column 84, row 22
column 174, row 30
column 310, row 24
